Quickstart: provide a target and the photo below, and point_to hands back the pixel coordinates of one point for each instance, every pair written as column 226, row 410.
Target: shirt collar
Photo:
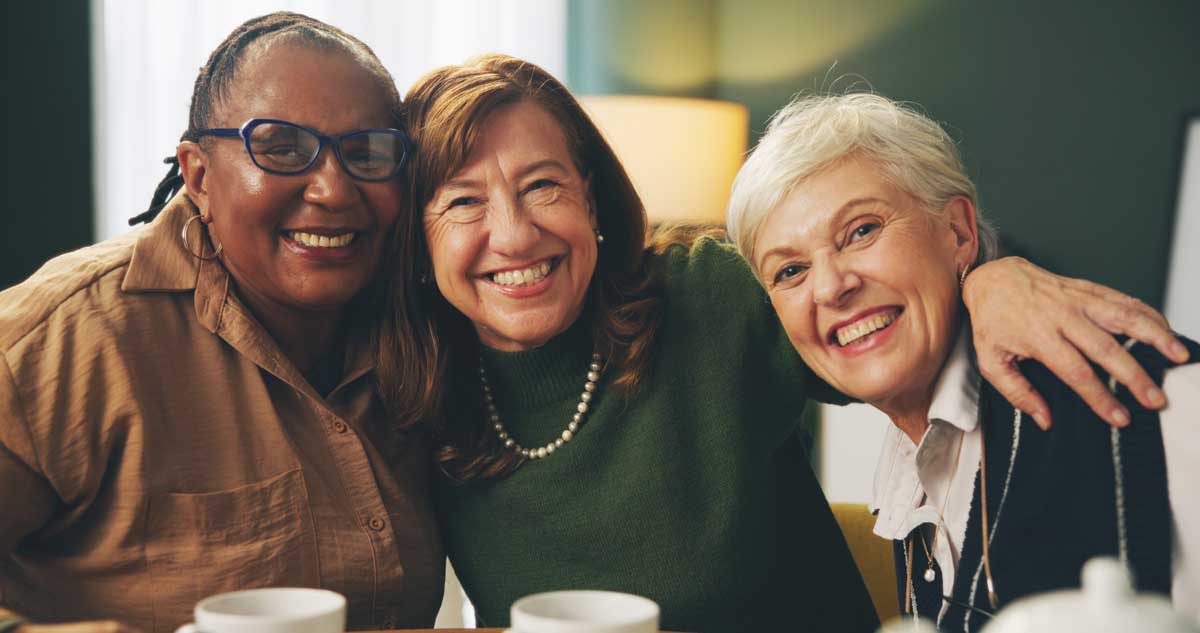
column 956, row 395
column 161, row 263
column 955, row 402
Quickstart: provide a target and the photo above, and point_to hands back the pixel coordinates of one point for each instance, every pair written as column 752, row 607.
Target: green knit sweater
column 695, row 493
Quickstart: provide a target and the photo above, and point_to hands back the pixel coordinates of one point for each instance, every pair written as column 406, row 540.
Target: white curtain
column 147, row 53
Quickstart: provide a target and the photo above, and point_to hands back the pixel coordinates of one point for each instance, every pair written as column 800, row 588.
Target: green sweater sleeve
column 710, row 279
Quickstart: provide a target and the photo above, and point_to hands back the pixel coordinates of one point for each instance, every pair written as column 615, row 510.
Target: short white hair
column 813, row 133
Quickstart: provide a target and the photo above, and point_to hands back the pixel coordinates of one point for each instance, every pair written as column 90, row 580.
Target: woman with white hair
column 857, row 216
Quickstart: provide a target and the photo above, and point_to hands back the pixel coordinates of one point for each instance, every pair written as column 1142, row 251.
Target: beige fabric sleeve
column 25, row 495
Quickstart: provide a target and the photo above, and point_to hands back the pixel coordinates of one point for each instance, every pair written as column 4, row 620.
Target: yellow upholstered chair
column 872, row 554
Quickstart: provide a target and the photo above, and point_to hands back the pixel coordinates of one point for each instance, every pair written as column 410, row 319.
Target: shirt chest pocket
column 200, row 544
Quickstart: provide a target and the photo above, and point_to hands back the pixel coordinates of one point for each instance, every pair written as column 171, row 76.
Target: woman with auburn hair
column 981, row 508
column 614, row 415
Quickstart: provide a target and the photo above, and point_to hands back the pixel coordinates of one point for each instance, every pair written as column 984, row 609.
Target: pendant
column 930, row 575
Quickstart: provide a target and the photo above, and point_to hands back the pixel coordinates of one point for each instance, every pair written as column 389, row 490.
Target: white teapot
column 1106, row 604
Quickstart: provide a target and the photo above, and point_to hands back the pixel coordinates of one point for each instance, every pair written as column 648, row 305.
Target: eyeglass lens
column 290, row 149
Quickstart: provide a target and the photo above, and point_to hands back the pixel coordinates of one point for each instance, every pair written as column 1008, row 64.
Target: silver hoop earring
column 599, row 236
column 188, row 247
column 962, row 277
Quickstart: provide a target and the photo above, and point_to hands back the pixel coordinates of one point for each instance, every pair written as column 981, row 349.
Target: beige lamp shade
column 682, row 154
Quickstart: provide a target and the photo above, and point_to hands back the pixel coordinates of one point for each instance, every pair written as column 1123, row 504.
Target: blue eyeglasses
column 283, row 147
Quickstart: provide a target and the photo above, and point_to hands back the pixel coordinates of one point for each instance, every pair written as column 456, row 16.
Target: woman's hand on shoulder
column 1019, row 311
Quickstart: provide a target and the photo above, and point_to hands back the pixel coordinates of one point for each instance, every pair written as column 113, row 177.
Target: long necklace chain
column 568, row 434
column 930, row 575
column 930, row 547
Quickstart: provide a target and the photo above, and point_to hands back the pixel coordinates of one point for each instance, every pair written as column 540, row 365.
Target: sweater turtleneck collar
column 553, row 372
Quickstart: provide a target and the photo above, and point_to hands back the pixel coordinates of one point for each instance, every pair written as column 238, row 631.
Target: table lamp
column 682, row 154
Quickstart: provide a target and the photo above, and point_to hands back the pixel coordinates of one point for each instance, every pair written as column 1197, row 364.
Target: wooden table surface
column 448, row 631
column 445, row 631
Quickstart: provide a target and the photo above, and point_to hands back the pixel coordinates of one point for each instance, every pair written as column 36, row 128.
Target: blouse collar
column 161, row 263
column 953, row 411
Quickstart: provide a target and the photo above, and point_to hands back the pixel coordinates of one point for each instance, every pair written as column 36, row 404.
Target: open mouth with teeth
column 862, row 329
column 312, row 240
column 520, row 277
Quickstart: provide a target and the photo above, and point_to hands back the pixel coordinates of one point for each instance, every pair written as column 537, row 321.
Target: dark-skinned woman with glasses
column 191, row 408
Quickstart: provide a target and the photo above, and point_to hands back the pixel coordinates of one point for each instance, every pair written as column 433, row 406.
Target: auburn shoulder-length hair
column 426, row 342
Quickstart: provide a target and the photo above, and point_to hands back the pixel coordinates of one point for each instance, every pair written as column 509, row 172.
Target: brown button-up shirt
column 157, row 447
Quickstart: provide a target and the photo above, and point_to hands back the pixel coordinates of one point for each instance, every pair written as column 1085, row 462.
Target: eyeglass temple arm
column 219, row 131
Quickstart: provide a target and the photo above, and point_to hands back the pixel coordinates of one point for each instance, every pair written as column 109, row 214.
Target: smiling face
column 295, row 243
column 511, row 233
column 865, row 281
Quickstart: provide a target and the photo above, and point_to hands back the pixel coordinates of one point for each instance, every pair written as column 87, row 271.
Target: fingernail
column 1179, row 351
column 1040, row 418
column 1156, row 397
column 1120, row 417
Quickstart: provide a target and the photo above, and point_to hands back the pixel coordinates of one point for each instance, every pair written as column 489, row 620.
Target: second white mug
column 584, row 612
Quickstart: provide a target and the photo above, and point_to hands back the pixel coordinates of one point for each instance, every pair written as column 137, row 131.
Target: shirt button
column 340, row 426
column 375, row 523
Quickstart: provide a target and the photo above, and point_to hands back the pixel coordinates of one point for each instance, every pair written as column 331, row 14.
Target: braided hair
column 216, row 78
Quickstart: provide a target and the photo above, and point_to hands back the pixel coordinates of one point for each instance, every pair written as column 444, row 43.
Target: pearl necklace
column 581, row 409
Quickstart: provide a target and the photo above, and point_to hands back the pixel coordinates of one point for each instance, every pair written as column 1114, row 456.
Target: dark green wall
column 663, row 47
column 1069, row 114
column 47, row 136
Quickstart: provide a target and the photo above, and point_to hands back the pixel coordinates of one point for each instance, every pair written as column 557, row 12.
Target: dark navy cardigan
column 1052, row 500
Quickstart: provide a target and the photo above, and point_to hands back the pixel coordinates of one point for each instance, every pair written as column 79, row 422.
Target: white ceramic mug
column 584, row 612
column 272, row 610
